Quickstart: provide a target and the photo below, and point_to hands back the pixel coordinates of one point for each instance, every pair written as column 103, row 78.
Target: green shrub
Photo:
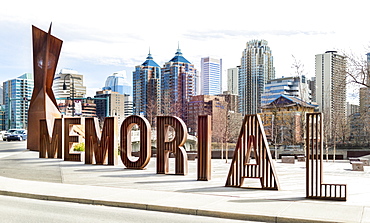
column 79, row 147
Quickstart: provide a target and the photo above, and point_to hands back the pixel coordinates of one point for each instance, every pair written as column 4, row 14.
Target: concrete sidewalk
column 23, row 174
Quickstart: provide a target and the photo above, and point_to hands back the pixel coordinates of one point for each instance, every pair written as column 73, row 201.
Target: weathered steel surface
column 71, row 137
column 252, row 135
column 315, row 188
column 165, row 146
column 51, row 146
column 101, row 145
column 46, row 50
column 145, row 142
column 204, row 147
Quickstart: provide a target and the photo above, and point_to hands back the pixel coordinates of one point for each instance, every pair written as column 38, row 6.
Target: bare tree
column 357, row 69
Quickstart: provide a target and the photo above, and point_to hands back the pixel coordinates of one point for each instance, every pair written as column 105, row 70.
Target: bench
column 357, row 166
column 192, row 156
column 365, row 162
column 287, row 159
column 351, row 159
column 301, row 158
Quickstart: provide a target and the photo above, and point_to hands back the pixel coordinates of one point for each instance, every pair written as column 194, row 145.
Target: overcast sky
column 100, row 39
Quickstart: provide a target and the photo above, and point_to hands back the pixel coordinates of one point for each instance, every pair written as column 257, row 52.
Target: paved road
column 23, row 174
column 14, row 209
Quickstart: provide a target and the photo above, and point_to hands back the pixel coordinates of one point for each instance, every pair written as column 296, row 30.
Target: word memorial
column 54, row 136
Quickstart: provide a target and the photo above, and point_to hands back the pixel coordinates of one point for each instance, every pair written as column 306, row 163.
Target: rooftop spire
column 178, row 53
column 149, row 55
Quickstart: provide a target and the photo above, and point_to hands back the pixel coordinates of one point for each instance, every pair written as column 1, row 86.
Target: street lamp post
column 72, row 91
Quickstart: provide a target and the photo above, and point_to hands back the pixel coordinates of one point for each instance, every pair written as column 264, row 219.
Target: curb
column 167, row 209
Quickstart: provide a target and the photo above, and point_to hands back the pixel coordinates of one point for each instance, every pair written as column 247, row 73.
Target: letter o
column 145, row 142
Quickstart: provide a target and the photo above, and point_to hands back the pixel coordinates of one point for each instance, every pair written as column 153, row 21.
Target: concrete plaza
column 23, row 174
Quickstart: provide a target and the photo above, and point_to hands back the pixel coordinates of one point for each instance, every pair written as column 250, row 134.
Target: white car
column 10, row 131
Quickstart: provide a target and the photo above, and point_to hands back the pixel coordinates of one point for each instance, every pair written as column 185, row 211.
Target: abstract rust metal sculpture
column 145, row 142
column 204, row 147
column 46, row 51
column 315, row 188
column 101, row 147
column 166, row 146
column 252, row 135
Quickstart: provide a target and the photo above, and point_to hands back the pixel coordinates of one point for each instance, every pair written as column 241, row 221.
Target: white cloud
column 114, row 35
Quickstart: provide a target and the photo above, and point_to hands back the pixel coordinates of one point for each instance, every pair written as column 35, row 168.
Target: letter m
column 51, row 147
column 101, row 146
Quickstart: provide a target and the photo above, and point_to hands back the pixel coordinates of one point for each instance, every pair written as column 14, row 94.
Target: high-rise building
column 1, row 96
column 330, row 69
column 365, row 91
column 128, row 105
column 312, row 86
column 2, row 118
column 178, row 85
column 146, row 89
column 232, row 80
column 114, row 104
column 117, row 82
column 363, row 118
column 256, row 69
column 290, row 86
column 17, row 93
column 73, row 82
column 211, row 76
column 232, row 101
column 215, row 106
column 69, row 90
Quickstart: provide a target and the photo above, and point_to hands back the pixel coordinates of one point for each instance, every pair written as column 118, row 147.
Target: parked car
column 10, row 131
column 18, row 135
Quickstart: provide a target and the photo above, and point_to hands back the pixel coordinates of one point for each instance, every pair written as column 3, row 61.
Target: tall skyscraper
column 17, row 92
column 255, row 69
column 178, row 83
column 211, row 76
column 330, row 69
column 146, row 89
column 232, row 80
column 117, row 82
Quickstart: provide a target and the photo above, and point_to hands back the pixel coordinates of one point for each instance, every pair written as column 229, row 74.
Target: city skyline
column 98, row 46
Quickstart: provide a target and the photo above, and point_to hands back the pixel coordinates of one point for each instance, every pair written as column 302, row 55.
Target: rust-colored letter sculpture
column 164, row 146
column 315, row 188
column 204, row 147
column 71, row 137
column 102, row 146
column 51, row 147
column 145, row 142
column 252, row 134
column 46, row 50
